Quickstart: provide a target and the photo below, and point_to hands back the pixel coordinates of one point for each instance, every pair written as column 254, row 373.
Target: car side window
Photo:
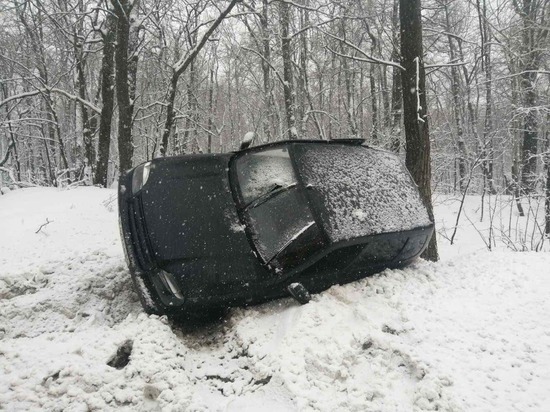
column 279, row 222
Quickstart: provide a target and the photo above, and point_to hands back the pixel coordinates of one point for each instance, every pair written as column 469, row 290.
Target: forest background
column 90, row 88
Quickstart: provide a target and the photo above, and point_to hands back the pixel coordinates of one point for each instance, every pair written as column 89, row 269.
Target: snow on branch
column 186, row 60
column 314, row 26
column 418, row 106
column 19, row 96
column 302, row 6
column 450, row 64
column 347, row 56
column 445, row 33
column 521, row 73
column 266, row 61
column 73, row 97
column 50, row 90
column 368, row 58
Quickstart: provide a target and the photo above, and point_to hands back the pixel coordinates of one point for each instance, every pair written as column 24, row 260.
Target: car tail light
column 140, row 176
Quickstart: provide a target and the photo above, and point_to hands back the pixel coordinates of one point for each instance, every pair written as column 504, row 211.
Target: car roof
column 350, row 141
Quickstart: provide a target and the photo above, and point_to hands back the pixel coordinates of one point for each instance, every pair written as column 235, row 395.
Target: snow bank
column 468, row 333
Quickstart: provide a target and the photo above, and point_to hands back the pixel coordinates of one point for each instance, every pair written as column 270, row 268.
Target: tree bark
column 415, row 108
column 375, row 133
column 122, row 9
column 532, row 44
column 396, row 90
column 192, row 106
column 288, row 85
column 486, row 145
column 87, row 133
column 350, row 92
column 266, row 71
column 211, row 110
column 12, row 146
column 455, row 91
column 547, row 200
column 107, row 97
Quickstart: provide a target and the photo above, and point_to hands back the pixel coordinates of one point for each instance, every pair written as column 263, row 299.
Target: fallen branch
column 48, row 221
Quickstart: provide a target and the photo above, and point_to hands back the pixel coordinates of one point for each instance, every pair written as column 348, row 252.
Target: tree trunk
column 547, row 167
column 375, row 132
column 375, row 138
column 350, row 92
column 304, row 68
column 455, row 91
column 530, row 61
column 396, row 91
column 266, row 71
column 122, row 9
column 12, row 146
column 87, row 133
column 190, row 120
column 107, row 97
column 486, row 145
column 211, row 110
column 415, row 108
column 530, row 133
column 547, row 200
column 89, row 119
column 288, row 87
column 516, row 145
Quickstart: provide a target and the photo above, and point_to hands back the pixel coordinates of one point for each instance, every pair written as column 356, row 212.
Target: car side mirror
column 247, row 140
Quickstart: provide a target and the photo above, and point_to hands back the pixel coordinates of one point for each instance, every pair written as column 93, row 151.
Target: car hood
column 189, row 210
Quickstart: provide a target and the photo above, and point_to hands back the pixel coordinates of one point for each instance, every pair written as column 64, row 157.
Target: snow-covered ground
column 471, row 332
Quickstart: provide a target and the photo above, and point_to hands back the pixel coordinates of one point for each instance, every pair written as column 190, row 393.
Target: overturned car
column 209, row 231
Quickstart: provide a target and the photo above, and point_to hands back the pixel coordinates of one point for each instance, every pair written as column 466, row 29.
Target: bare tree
column 181, row 66
column 125, row 12
column 108, row 36
column 534, row 32
column 415, row 107
column 288, row 85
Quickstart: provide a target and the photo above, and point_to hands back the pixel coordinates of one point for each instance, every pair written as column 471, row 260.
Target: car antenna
column 247, row 140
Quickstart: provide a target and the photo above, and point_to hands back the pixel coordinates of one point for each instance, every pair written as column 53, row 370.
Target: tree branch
column 368, row 57
column 48, row 221
column 186, row 60
column 7, row 155
column 50, row 90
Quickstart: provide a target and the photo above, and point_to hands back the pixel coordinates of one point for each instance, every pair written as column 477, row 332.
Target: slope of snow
column 470, row 333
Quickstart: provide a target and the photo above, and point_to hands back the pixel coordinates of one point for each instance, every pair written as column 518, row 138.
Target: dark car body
column 207, row 231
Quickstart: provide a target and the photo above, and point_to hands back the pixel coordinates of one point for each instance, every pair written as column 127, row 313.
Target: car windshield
column 262, row 172
column 283, row 229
